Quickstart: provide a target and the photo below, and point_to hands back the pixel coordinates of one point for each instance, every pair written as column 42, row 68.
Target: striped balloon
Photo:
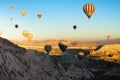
column 89, row 9
column 108, row 37
column 66, row 60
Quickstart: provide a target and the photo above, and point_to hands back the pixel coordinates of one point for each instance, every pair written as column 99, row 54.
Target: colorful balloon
column 108, row 37
column 30, row 36
column 10, row 6
column 39, row 15
column 89, row 9
column 23, row 12
column 66, row 60
column 25, row 33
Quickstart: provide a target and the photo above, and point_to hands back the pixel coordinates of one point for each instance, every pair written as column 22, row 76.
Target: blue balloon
column 66, row 60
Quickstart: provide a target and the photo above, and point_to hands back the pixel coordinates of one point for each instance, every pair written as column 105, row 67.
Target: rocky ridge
column 17, row 63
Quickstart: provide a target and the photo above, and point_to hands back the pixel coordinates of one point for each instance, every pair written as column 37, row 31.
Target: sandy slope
column 111, row 51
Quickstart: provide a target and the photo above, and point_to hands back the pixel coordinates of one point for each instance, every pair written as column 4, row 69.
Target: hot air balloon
column 39, row 15
column 16, row 26
column 10, row 6
column 63, row 44
column 30, row 36
column 48, row 48
column 74, row 27
column 89, row 9
column 66, row 60
column 0, row 32
column 62, row 47
column 25, row 33
column 11, row 19
column 23, row 12
column 108, row 37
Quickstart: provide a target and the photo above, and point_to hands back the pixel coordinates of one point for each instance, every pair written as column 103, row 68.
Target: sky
column 58, row 18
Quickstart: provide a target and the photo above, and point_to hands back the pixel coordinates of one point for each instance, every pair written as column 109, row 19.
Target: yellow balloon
column 25, row 33
column 39, row 15
column 30, row 36
column 10, row 6
column 23, row 12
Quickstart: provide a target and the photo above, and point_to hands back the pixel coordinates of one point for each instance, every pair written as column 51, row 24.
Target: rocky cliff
column 17, row 63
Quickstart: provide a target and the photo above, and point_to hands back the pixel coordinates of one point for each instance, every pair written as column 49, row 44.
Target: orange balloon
column 23, row 12
column 108, row 37
column 89, row 9
column 39, row 15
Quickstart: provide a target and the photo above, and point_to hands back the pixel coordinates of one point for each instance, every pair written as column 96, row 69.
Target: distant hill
column 107, row 52
column 55, row 43
column 112, row 41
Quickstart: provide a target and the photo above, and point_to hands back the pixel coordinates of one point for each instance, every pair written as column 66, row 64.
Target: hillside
column 107, row 52
column 112, row 41
column 54, row 43
column 39, row 45
column 17, row 63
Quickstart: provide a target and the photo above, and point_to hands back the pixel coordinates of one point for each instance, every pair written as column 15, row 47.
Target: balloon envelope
column 23, row 12
column 25, row 33
column 89, row 9
column 30, row 36
column 74, row 27
column 62, row 47
column 66, row 60
column 108, row 37
column 16, row 26
column 10, row 6
column 39, row 15
column 11, row 19
column 48, row 48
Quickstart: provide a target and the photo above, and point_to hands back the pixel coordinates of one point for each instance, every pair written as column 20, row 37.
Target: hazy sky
column 58, row 19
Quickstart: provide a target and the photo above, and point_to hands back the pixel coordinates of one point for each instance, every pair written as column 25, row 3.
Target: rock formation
column 17, row 63
column 111, row 51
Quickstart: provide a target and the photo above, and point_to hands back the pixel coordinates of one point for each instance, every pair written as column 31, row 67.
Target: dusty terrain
column 109, row 52
column 18, row 63
column 39, row 45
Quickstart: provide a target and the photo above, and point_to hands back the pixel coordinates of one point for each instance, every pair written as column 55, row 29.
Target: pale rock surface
column 17, row 63
column 76, row 73
column 111, row 51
